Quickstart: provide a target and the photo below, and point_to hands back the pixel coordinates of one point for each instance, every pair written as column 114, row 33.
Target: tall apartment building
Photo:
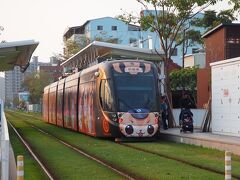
column 2, row 88
column 116, row 31
column 14, row 79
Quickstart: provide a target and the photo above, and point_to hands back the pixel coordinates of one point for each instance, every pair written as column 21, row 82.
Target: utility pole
column 183, row 48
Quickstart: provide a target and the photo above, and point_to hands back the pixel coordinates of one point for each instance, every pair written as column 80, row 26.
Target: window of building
column 133, row 42
column 174, row 52
column 114, row 28
column 232, row 40
column 194, row 50
column 99, row 28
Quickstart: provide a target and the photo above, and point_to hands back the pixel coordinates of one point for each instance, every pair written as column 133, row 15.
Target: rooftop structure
column 99, row 51
column 16, row 53
column 11, row 54
column 222, row 42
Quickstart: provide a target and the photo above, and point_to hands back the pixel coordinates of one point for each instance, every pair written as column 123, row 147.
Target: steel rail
column 178, row 159
column 85, row 154
column 32, row 153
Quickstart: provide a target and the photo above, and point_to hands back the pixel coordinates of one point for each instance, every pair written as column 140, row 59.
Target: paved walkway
column 205, row 139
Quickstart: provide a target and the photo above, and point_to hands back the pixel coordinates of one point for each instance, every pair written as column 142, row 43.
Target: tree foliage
column 170, row 18
column 15, row 101
column 212, row 19
column 70, row 48
column 184, row 79
column 35, row 83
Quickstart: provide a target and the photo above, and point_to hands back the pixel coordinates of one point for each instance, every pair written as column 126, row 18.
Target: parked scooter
column 186, row 120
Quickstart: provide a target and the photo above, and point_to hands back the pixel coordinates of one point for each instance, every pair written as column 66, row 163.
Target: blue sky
column 46, row 20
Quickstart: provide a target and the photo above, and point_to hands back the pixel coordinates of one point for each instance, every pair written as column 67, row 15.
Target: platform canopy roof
column 102, row 50
column 16, row 53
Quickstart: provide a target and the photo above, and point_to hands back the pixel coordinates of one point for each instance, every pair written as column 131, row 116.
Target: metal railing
column 4, row 144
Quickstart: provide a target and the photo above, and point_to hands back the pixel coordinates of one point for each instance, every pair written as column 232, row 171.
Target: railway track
column 120, row 172
column 34, row 155
column 178, row 159
column 126, row 175
column 132, row 147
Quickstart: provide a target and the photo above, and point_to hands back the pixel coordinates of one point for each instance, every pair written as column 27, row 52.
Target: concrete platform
column 12, row 165
column 206, row 139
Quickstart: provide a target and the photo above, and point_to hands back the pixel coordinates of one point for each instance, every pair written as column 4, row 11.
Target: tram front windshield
column 135, row 91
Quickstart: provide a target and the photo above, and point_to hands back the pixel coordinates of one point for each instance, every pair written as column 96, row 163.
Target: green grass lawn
column 32, row 170
column 142, row 164
column 197, row 155
column 65, row 163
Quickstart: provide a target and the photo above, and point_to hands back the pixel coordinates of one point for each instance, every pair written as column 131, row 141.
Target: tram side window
column 106, row 99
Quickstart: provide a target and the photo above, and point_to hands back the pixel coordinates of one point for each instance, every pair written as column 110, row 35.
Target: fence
column 34, row 108
column 4, row 144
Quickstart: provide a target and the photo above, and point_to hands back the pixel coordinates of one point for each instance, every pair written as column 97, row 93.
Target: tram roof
column 105, row 50
column 16, row 53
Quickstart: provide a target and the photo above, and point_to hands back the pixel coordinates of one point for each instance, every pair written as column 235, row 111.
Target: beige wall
column 198, row 59
column 189, row 61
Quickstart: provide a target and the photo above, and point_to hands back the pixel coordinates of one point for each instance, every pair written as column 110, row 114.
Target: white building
column 113, row 30
column 13, row 80
column 23, row 96
column 198, row 59
column 226, row 97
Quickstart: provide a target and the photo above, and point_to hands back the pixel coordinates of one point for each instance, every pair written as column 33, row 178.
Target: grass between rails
column 65, row 163
column 32, row 170
column 142, row 164
column 197, row 155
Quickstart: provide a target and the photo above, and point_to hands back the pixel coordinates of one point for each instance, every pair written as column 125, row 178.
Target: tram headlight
column 150, row 129
column 129, row 129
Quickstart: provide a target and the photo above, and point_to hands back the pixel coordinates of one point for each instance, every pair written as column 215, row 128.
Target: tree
column 35, row 83
column 211, row 19
column 184, row 79
column 15, row 101
column 70, row 48
column 169, row 19
column 7, row 103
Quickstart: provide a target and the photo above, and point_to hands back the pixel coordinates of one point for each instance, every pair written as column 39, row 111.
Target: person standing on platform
column 186, row 102
column 164, row 112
